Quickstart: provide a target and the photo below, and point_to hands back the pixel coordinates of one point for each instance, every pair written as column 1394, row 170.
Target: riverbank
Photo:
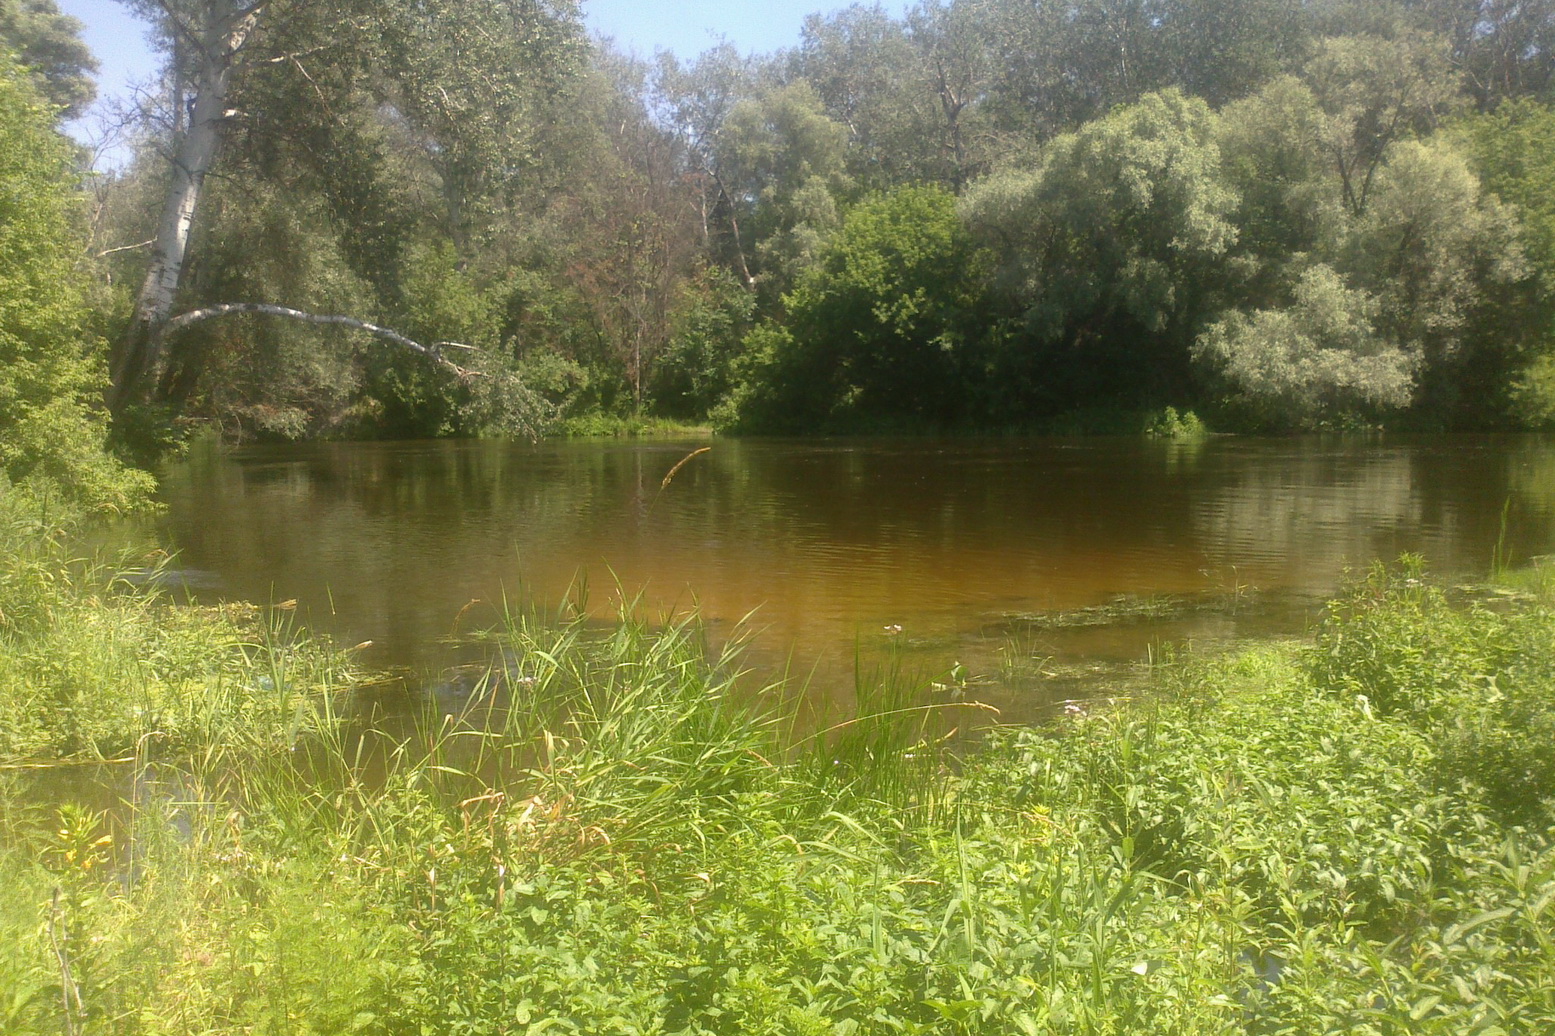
column 1351, row 834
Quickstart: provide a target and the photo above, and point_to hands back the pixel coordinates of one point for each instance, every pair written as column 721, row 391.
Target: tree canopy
column 48, row 44
column 979, row 213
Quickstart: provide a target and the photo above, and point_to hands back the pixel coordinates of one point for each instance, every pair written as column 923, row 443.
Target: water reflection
column 831, row 542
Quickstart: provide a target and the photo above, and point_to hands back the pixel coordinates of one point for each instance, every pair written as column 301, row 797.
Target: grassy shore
column 620, row 835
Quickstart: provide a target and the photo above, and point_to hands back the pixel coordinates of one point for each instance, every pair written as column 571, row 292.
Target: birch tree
column 454, row 80
column 206, row 39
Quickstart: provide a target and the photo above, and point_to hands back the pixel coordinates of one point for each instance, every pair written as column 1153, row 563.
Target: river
column 1037, row 565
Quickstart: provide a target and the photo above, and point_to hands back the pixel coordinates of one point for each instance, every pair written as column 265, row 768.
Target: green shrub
column 1479, row 683
column 52, row 371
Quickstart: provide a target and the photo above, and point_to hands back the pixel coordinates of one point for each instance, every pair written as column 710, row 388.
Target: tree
column 696, row 101
column 952, row 40
column 709, row 317
column 1375, row 91
column 1510, row 149
column 1339, row 315
column 209, row 36
column 1438, row 253
column 1224, row 49
column 51, row 368
column 1288, row 196
column 471, row 79
column 886, row 327
column 1504, row 48
column 1316, row 363
column 782, row 159
column 861, row 65
column 1109, row 249
column 456, row 77
column 49, row 44
column 634, row 244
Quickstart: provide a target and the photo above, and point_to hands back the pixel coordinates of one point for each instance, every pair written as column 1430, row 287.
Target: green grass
column 622, row 833
column 92, row 667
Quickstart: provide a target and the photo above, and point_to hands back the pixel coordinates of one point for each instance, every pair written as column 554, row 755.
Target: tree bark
column 219, row 41
column 433, row 352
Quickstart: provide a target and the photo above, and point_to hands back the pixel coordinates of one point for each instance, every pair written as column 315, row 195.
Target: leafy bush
column 1319, row 362
column 52, row 372
column 1169, row 424
column 880, row 327
column 1479, row 684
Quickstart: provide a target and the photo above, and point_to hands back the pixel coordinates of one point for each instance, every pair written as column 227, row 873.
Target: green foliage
column 880, row 327
column 93, row 662
column 783, row 158
column 1319, row 363
column 52, row 371
column 1365, row 292
column 263, row 377
column 1169, row 424
column 1108, row 248
column 614, row 834
column 1374, row 90
column 49, row 45
column 1533, row 394
column 1246, row 207
column 1437, row 252
column 696, row 373
column 1115, row 217
column 1287, row 194
column 1510, row 148
column 1475, row 682
column 861, row 64
column 472, row 80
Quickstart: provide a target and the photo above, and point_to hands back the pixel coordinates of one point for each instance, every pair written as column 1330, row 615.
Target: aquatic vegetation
column 95, row 667
column 617, row 830
column 1169, row 424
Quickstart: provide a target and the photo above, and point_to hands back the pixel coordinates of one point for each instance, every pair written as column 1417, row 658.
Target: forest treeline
column 982, row 214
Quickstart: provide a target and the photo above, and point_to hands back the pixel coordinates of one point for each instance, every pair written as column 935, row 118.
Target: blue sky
column 686, row 27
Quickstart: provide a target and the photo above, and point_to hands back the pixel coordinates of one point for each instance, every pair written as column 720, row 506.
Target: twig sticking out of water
column 682, row 463
column 665, row 484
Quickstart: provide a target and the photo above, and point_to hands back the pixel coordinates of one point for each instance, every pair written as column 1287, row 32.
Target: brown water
column 1032, row 562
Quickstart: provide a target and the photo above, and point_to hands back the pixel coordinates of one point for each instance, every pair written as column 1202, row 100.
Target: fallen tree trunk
column 433, row 351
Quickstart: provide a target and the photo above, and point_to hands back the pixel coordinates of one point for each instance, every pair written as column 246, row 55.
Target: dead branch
column 127, row 248
column 432, row 352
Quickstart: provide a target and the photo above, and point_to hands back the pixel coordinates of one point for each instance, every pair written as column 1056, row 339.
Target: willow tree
column 454, row 79
column 1110, row 249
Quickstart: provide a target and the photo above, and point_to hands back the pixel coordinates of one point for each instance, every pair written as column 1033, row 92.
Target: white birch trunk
column 139, row 355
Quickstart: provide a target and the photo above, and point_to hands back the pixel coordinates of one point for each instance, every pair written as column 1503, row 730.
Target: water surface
column 1025, row 560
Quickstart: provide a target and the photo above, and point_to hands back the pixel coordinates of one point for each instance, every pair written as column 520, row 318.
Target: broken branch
column 433, row 352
